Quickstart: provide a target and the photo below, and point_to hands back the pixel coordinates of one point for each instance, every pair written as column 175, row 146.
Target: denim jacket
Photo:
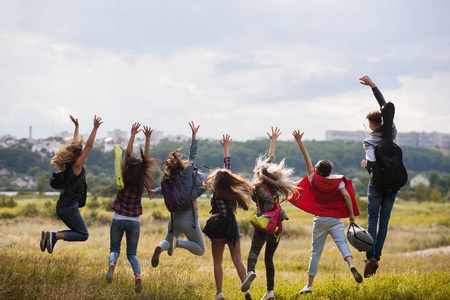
column 185, row 176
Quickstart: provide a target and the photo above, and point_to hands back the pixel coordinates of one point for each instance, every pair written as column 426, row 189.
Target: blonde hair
column 276, row 176
column 67, row 154
column 174, row 164
column 232, row 188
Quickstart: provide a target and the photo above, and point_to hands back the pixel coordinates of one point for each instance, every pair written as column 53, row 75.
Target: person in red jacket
column 329, row 198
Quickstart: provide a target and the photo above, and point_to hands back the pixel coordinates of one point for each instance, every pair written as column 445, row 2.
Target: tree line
column 346, row 158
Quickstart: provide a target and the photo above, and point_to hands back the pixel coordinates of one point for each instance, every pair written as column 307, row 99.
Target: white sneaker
column 306, row 290
column 247, row 295
column 219, row 296
column 173, row 244
column 268, row 295
column 248, row 281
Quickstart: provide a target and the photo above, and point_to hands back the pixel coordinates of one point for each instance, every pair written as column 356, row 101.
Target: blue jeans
column 132, row 230
column 323, row 226
column 379, row 207
column 71, row 216
column 183, row 221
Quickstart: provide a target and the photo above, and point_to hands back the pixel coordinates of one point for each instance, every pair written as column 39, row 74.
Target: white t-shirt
column 122, row 217
column 341, row 184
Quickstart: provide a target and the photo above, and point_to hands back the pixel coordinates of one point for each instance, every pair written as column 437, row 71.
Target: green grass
column 77, row 270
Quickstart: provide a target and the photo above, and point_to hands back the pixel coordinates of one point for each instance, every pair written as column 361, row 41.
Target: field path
column 431, row 251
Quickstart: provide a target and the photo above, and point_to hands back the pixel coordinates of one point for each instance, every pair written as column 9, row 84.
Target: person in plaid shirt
column 127, row 205
column 229, row 192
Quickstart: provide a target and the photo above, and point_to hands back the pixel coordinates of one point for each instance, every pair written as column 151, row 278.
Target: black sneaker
column 43, row 242
column 110, row 273
column 138, row 283
column 155, row 257
column 356, row 274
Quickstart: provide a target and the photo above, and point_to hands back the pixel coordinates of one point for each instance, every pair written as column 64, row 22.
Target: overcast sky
column 236, row 67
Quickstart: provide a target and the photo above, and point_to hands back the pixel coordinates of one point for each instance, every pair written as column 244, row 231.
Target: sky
column 235, row 67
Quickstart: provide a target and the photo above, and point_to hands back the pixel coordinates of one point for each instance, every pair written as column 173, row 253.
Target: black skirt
column 225, row 228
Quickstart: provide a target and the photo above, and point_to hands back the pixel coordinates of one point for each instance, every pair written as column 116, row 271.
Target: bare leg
column 217, row 252
column 235, row 251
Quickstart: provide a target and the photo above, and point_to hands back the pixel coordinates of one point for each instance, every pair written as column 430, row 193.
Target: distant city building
column 409, row 139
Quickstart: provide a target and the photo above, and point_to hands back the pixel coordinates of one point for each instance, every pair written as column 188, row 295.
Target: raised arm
column 194, row 129
column 76, row 134
column 148, row 134
column 134, row 130
column 365, row 80
column 226, row 152
column 78, row 165
column 298, row 137
column 273, row 139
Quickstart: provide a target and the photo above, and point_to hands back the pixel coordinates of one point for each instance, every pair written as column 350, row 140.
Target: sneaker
column 110, row 273
column 247, row 295
column 219, row 296
column 43, row 243
column 155, row 257
column 268, row 295
column 173, row 244
column 248, row 281
column 356, row 274
column 306, row 290
column 51, row 240
column 138, row 283
column 370, row 267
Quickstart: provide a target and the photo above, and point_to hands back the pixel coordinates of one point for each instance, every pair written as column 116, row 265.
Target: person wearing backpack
column 329, row 198
column 127, row 205
column 180, row 180
column 71, row 179
column 271, row 181
column 379, row 203
column 230, row 191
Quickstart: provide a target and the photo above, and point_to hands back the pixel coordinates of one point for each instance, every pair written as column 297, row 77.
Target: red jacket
column 321, row 197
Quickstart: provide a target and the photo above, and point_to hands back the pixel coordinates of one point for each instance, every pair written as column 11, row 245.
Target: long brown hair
column 174, row 164
column 230, row 187
column 136, row 172
column 275, row 176
column 67, row 154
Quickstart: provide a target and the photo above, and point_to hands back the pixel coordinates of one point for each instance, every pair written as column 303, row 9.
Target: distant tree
column 422, row 192
column 42, row 183
column 433, row 178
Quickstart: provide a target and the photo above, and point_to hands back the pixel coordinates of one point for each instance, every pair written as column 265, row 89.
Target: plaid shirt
column 127, row 203
column 218, row 205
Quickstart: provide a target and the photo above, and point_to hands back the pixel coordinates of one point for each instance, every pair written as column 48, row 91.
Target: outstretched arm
column 376, row 92
column 225, row 144
column 134, row 130
column 273, row 139
column 76, row 134
column 194, row 129
column 298, row 137
column 87, row 148
column 148, row 134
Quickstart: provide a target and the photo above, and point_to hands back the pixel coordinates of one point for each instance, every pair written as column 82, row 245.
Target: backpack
column 270, row 221
column 58, row 180
column 389, row 174
column 177, row 199
column 359, row 238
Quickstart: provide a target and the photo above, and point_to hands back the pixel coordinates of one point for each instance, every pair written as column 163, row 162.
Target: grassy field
column 415, row 262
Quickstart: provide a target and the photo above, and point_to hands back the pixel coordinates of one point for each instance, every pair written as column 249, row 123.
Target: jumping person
column 69, row 160
column 182, row 222
column 127, row 205
column 328, row 198
column 230, row 191
column 270, row 180
column 379, row 203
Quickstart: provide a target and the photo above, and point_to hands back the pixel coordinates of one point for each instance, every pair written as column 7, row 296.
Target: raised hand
column 97, row 122
column 226, row 140
column 135, row 128
column 75, row 121
column 297, row 135
column 275, row 134
column 148, row 131
column 367, row 81
column 194, row 129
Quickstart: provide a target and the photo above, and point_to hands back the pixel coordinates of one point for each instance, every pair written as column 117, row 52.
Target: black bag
column 389, row 174
column 217, row 228
column 58, row 180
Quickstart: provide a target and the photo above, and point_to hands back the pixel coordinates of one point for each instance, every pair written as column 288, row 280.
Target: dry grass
column 77, row 270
